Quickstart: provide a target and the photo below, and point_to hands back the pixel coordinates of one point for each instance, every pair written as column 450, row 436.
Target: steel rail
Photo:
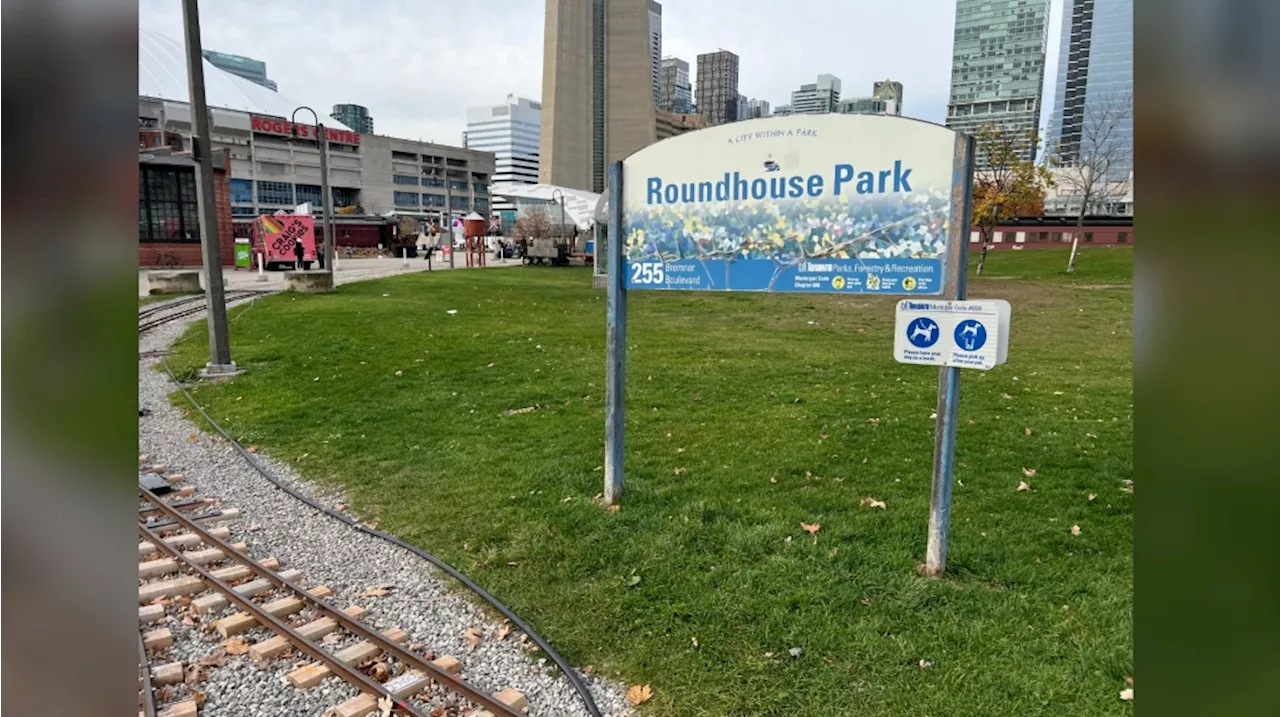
column 152, row 323
column 144, row 670
column 435, row 673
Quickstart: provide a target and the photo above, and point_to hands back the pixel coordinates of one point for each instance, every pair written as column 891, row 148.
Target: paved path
column 349, row 270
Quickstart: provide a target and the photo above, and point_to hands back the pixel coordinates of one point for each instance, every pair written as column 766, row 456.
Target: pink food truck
column 274, row 238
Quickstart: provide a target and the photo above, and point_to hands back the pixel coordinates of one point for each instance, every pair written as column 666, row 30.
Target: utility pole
column 326, row 201
column 220, row 363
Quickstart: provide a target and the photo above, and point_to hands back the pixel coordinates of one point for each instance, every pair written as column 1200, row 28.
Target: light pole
column 557, row 193
column 326, row 204
column 220, row 363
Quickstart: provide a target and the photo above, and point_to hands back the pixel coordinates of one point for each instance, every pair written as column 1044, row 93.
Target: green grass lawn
column 746, row 415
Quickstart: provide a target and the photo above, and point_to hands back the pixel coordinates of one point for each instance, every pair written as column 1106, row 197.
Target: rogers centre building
column 369, row 174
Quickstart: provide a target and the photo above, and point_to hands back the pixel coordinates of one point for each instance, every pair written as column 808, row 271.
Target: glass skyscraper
column 1095, row 67
column 997, row 66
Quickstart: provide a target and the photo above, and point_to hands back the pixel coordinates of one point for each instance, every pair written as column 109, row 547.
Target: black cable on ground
column 564, row 666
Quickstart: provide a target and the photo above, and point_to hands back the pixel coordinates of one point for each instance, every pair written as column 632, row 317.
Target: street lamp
column 326, row 255
column 557, row 193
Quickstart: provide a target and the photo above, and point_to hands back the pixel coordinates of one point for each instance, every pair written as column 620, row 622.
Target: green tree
column 1008, row 183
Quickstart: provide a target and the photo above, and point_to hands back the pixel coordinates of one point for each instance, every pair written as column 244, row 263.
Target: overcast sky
column 417, row 64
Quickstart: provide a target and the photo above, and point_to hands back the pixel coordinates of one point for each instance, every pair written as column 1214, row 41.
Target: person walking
column 298, row 251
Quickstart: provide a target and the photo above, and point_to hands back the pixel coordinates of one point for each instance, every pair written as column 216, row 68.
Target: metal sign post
column 846, row 204
column 616, row 345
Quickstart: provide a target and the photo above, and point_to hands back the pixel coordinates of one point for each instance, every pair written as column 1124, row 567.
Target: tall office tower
column 250, row 69
column 1095, row 69
column 889, row 91
column 742, row 112
column 655, row 45
column 597, row 89
column 511, row 131
column 757, row 109
column 675, row 94
column 717, row 93
column 997, row 66
column 354, row 116
column 818, row 97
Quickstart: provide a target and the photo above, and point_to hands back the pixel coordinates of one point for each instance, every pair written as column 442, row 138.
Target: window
column 458, row 203
column 275, row 193
column 432, row 182
column 1088, row 237
column 309, row 193
column 482, row 205
column 408, row 156
column 242, row 191
column 1122, row 238
column 406, row 199
column 1057, row 236
column 458, row 186
column 243, row 211
column 167, row 208
column 481, row 188
column 404, row 179
column 345, row 196
column 432, row 200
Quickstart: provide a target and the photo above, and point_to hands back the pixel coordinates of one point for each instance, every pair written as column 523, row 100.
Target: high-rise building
column 717, row 93
column 597, row 89
column 512, row 131
column 817, row 98
column 742, row 108
column 655, row 46
column 1095, row 75
column 675, row 94
column 354, row 116
column 757, row 109
column 885, row 99
column 250, row 69
column 997, row 66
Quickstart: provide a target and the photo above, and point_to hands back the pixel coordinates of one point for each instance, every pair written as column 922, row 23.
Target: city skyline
column 457, row 78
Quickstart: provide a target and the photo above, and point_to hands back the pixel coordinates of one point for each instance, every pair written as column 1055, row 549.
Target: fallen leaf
column 1029, row 472
column 1005, row 396
column 186, row 620
column 773, row 479
column 1075, row 530
column 694, row 640
column 1090, row 435
column 1128, row 680
column 633, row 581
column 866, row 601
column 1027, row 430
column 678, row 471
column 614, row 508
column 639, row 694
column 588, row 669
column 398, row 373
column 235, row 646
column 491, row 364
column 795, row 652
column 192, row 437
column 378, row 590
column 1127, row 694
column 384, row 706
column 925, row 664
column 380, row 671
column 1057, row 393
column 1022, row 485
column 1092, row 496
column 198, row 697
column 811, row 528
column 518, row 411
column 474, row 636
column 252, row 449
column 873, row 503
column 332, row 638
column 503, row 632
column 828, row 660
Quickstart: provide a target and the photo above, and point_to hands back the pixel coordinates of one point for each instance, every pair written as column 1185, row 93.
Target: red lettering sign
column 271, row 125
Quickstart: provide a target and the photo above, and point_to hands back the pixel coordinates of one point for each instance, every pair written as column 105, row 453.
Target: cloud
column 418, row 65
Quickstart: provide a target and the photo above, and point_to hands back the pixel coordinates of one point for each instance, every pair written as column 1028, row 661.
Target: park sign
column 855, row 204
column 800, row 203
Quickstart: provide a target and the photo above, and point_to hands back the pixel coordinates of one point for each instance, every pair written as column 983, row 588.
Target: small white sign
column 967, row 334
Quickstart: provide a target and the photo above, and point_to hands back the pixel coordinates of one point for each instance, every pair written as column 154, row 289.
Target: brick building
column 168, row 206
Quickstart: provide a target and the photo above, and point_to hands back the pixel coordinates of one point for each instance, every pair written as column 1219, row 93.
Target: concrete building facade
column 354, row 116
column 885, row 99
column 670, row 124
column 511, row 131
column 997, row 66
column 816, row 98
column 597, row 89
column 717, row 94
column 757, row 109
column 655, row 48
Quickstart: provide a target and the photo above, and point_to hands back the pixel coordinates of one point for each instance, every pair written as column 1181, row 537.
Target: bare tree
column 1093, row 167
column 1008, row 184
column 535, row 224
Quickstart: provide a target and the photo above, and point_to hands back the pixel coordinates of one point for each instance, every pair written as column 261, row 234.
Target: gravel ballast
column 328, row 552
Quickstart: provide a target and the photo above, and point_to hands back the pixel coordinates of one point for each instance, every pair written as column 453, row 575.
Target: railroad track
column 154, row 316
column 185, row 539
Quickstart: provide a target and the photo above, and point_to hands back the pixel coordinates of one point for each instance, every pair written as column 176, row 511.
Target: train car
column 273, row 237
